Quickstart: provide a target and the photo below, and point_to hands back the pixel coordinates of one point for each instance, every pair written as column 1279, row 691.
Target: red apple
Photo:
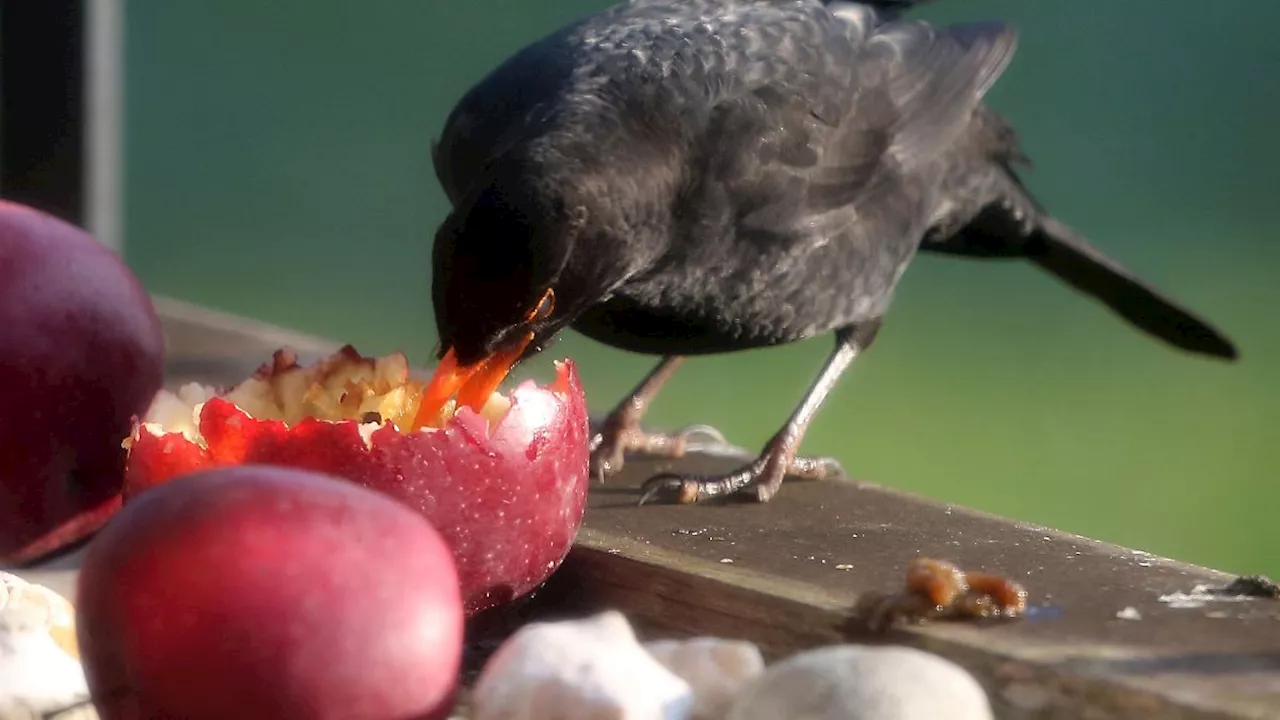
column 505, row 486
column 265, row 592
column 81, row 353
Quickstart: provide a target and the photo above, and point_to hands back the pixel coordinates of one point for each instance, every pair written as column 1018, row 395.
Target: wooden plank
column 800, row 563
column 788, row 574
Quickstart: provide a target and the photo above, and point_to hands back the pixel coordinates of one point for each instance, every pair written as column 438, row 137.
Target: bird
column 683, row 178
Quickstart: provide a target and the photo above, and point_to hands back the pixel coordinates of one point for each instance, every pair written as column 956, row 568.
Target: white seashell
column 587, row 669
column 715, row 668
column 40, row 667
column 856, row 682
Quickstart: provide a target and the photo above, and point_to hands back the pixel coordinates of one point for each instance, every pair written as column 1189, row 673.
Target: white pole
column 104, row 109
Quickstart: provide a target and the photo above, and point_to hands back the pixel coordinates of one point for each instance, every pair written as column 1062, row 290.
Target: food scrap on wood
column 1242, row 589
column 1255, row 586
column 940, row 590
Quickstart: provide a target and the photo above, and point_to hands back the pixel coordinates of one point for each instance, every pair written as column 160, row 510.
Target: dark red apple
column 505, row 486
column 81, row 353
column 265, row 592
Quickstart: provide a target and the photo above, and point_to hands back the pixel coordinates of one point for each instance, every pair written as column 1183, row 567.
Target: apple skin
column 266, row 592
column 509, row 499
column 81, row 353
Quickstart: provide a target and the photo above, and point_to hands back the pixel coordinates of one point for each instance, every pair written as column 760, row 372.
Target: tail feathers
column 1057, row 249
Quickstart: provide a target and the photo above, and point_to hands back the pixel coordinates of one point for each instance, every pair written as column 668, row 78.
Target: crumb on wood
column 940, row 590
column 1258, row 586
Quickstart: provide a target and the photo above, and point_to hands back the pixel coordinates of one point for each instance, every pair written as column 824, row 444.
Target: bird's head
column 497, row 286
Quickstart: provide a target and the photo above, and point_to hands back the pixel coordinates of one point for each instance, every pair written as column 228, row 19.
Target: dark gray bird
column 688, row 177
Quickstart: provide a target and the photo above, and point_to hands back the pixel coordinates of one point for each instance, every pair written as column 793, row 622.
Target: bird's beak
column 474, row 383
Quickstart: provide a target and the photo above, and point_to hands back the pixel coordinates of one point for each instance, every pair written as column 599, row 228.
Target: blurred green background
column 278, row 165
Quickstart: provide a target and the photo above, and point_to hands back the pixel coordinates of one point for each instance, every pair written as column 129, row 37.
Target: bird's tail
column 1014, row 225
column 1056, row 248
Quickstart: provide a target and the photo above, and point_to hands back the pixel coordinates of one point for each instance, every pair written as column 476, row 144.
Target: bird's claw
column 604, row 459
column 711, row 437
column 672, row 487
column 815, row 468
column 687, row 489
column 764, row 475
column 619, row 437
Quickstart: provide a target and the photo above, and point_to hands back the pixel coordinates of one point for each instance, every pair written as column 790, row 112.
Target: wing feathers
column 936, row 78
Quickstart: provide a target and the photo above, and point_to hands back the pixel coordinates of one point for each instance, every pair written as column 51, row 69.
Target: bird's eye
column 544, row 306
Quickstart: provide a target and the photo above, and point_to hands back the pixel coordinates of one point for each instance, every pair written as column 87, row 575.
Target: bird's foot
column 764, row 475
column 621, row 435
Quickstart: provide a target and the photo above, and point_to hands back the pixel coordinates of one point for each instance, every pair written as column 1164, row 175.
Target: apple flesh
column 81, row 354
column 506, row 486
column 267, row 592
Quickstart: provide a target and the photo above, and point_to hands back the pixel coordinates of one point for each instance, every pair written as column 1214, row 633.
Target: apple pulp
column 505, row 486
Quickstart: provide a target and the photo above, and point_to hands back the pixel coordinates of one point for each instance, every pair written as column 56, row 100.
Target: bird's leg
column 621, row 432
column 767, row 471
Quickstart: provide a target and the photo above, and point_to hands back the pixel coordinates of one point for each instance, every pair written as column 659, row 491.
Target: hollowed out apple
column 506, row 486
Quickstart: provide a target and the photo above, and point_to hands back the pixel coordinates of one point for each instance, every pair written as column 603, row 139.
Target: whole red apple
column 265, row 592
column 81, row 353
column 506, row 485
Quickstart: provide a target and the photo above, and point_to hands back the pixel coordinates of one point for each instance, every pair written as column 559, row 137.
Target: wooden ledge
column 788, row 574
column 1102, row 638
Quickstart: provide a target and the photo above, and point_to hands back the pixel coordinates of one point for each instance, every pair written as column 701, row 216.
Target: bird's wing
column 638, row 40
column 905, row 95
column 936, row 77
column 676, row 55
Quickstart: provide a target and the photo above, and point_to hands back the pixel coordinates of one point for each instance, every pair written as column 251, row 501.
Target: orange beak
column 473, row 384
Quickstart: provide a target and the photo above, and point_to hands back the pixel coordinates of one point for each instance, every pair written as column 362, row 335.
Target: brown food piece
column 940, row 590
column 1256, row 586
